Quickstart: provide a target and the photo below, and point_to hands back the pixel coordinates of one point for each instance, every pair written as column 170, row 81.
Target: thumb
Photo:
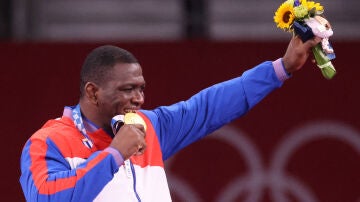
column 312, row 42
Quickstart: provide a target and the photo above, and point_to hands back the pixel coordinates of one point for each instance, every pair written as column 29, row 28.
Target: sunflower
column 284, row 16
column 311, row 4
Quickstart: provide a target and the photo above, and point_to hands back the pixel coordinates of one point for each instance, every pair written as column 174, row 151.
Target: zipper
column 130, row 173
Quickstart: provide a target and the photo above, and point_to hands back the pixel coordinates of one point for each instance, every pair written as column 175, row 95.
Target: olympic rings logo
column 274, row 178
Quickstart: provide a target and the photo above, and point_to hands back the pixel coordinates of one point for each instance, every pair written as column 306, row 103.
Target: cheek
column 113, row 104
column 108, row 99
column 115, row 99
column 121, row 100
column 120, row 104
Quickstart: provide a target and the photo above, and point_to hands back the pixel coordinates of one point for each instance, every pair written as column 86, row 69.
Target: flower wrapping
column 305, row 18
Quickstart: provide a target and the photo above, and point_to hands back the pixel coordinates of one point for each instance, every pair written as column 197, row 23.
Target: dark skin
column 297, row 53
column 123, row 92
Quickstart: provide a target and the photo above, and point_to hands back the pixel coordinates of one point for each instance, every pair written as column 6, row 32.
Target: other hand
column 298, row 52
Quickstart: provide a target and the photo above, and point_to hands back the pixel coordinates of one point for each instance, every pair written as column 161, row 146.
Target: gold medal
column 134, row 118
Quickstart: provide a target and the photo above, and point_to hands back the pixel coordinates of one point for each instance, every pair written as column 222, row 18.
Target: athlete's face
column 123, row 91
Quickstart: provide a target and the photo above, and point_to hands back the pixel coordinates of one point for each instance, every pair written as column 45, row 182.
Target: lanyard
column 78, row 121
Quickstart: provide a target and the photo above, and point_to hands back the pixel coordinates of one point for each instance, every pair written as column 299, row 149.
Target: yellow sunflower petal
column 284, row 16
column 310, row 5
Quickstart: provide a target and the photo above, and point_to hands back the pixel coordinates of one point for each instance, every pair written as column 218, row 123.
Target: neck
column 90, row 112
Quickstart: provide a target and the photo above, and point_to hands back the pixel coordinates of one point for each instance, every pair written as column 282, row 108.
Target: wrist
column 280, row 70
column 119, row 159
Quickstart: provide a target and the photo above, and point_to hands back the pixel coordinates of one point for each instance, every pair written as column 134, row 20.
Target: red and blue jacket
column 56, row 164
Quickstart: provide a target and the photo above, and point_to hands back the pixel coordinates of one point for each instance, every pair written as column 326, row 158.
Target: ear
column 91, row 91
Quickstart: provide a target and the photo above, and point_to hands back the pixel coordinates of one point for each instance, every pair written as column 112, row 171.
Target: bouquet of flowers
column 305, row 19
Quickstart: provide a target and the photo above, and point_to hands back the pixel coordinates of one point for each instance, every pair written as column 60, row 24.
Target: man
column 78, row 158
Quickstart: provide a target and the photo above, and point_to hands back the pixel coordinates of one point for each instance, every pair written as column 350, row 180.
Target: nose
column 138, row 97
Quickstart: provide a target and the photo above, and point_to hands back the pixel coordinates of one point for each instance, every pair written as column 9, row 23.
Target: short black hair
column 99, row 61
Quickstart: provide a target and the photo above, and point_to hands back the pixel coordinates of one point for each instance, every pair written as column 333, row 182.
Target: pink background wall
column 312, row 122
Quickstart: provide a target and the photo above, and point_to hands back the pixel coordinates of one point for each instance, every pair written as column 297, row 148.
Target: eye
column 130, row 89
column 327, row 26
column 127, row 89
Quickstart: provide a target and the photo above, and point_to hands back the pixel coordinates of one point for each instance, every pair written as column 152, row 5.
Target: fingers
column 312, row 42
column 130, row 140
column 308, row 44
column 139, row 143
column 140, row 149
column 139, row 127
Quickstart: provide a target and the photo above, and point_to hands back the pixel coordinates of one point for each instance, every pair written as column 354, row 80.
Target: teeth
column 130, row 111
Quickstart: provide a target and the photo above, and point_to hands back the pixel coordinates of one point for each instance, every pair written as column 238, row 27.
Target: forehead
column 126, row 73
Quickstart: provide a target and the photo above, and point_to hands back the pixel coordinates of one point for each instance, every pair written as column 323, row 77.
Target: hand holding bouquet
column 305, row 19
